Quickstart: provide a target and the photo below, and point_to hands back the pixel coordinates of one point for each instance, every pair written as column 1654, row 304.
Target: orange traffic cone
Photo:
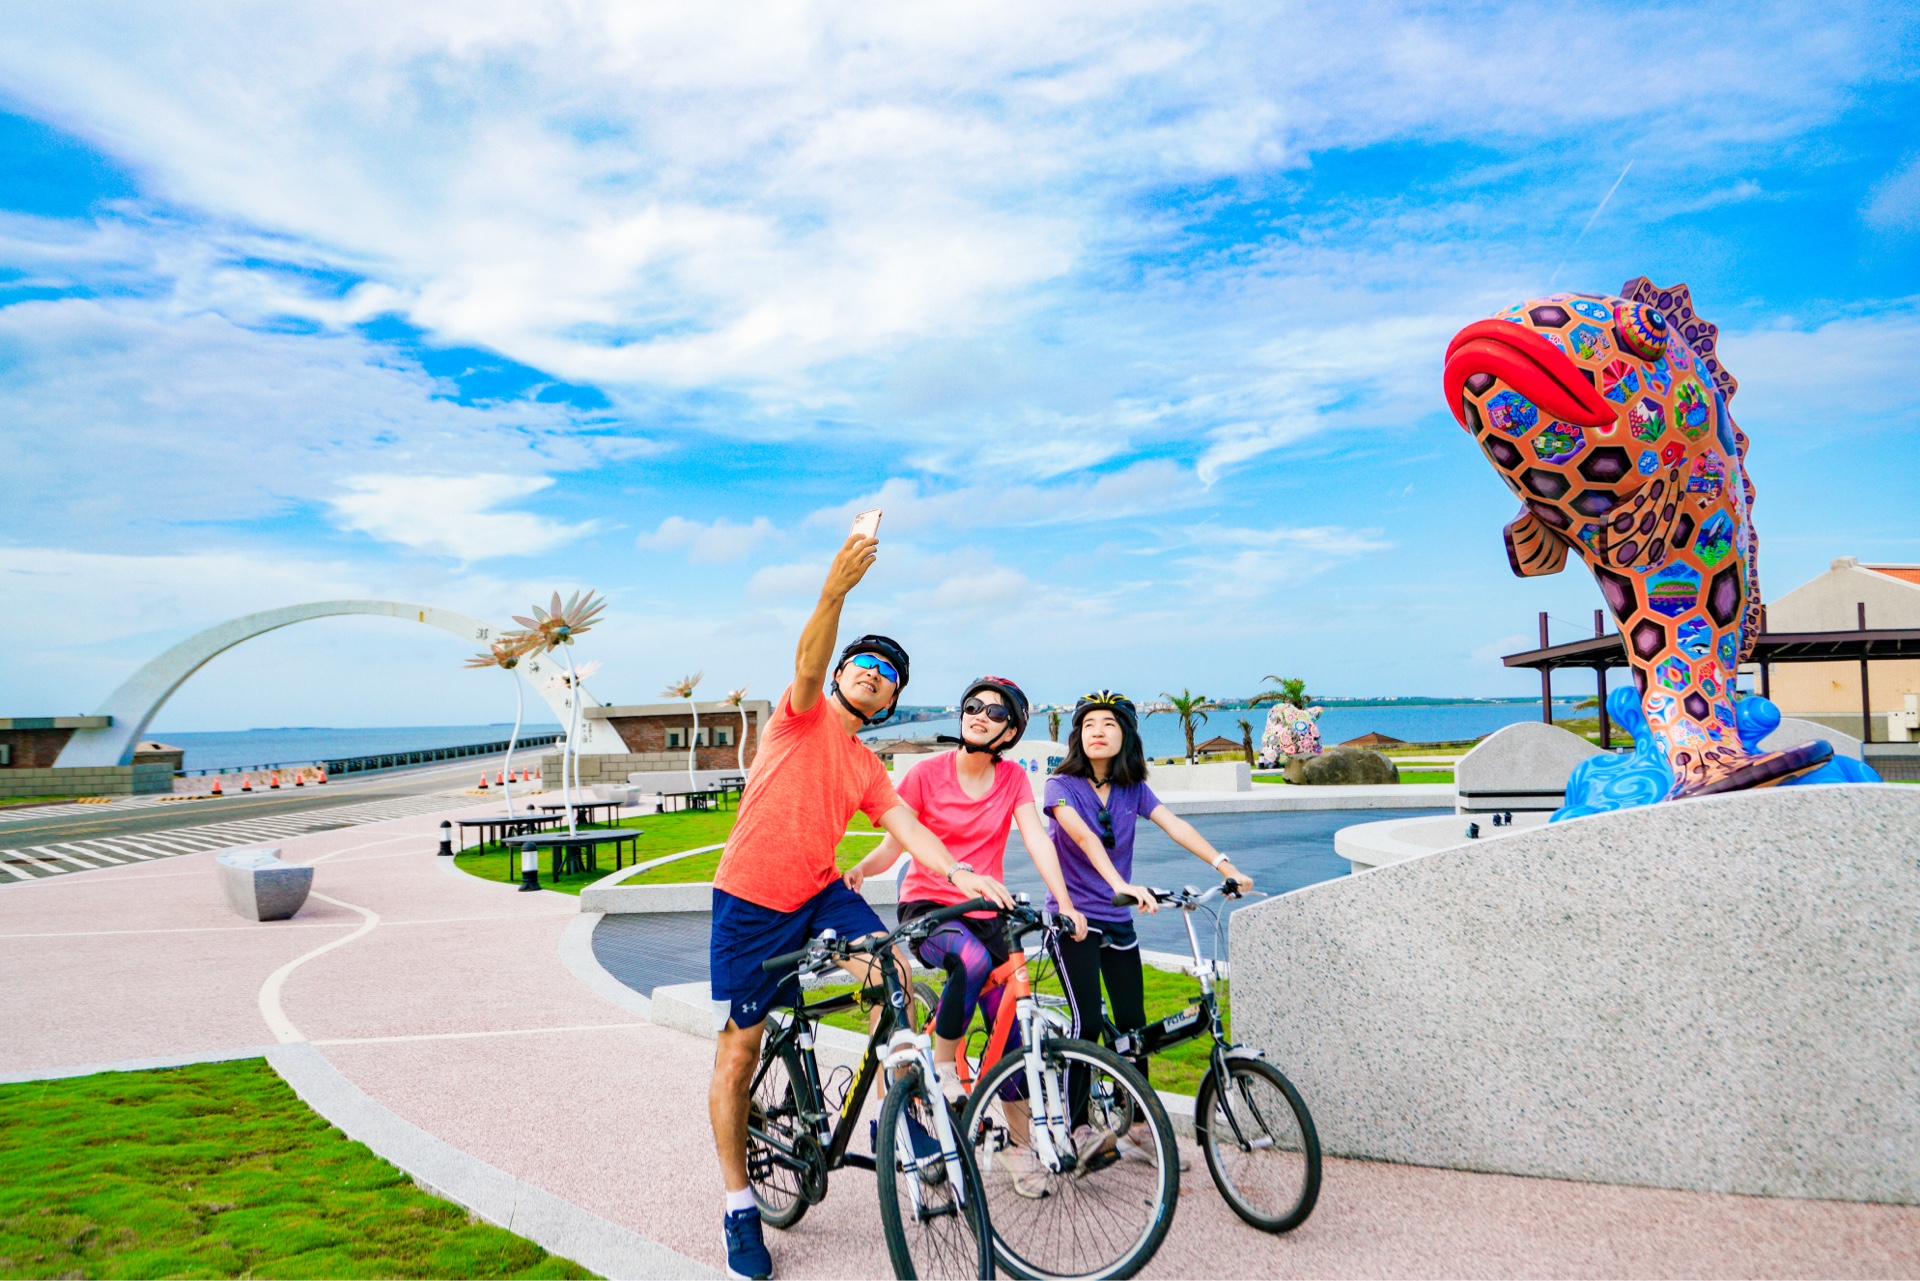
column 483, row 782
column 323, row 775
column 274, row 786
column 499, row 777
column 246, row 782
column 216, row 786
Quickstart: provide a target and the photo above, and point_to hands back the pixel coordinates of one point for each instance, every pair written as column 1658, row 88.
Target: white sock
column 741, row 1200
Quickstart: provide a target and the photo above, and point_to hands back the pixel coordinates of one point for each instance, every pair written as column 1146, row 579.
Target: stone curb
column 137, row 1065
column 556, row 1225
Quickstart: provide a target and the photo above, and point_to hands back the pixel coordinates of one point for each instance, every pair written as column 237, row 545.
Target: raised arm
column 1188, row 837
column 815, row 653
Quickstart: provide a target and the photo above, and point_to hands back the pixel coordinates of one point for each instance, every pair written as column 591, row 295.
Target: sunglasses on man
column 875, row 663
column 1105, row 816
column 995, row 712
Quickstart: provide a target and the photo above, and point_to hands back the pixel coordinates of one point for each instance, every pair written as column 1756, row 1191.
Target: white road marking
column 81, row 849
column 464, row 1036
column 282, row 1027
column 50, row 852
column 21, row 856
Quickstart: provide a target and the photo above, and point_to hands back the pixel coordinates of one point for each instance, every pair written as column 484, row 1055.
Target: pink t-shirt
column 974, row 831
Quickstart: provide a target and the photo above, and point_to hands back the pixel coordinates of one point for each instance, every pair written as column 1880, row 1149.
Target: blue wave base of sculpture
column 1642, row 776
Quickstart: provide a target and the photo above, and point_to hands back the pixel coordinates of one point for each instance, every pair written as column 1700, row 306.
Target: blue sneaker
column 746, row 1250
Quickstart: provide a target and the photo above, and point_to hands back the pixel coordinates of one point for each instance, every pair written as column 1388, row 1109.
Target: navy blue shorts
column 745, row 934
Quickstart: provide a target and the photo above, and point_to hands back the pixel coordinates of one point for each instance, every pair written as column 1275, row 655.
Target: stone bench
column 259, row 886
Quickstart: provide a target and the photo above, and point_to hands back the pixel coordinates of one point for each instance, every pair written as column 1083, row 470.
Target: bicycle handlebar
column 1230, row 887
column 843, row 948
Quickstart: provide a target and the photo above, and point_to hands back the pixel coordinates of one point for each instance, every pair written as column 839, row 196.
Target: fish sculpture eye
column 1641, row 329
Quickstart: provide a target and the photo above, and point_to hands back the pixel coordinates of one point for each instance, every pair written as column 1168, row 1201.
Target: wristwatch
column 957, row 868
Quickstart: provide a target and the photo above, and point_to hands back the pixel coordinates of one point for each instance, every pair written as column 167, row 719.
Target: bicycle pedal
column 1098, row 1162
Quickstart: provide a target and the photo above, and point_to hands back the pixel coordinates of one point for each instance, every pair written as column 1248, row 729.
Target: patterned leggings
column 969, row 965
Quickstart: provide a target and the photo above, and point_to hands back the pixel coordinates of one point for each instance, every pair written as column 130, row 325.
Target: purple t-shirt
column 1125, row 806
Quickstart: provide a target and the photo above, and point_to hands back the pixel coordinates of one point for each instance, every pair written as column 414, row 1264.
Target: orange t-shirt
column 807, row 780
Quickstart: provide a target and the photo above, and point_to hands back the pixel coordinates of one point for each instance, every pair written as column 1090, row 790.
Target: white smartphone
column 867, row 524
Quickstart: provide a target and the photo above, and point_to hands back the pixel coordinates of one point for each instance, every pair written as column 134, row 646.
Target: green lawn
column 219, row 1170
column 1177, row 1071
column 9, row 801
column 1426, row 776
column 662, row 834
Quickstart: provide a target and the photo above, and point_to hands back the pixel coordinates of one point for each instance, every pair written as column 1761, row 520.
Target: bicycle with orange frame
column 1045, row 1119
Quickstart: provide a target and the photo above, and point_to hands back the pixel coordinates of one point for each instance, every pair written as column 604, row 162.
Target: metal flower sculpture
column 506, row 653
column 737, row 699
column 550, row 629
column 683, row 688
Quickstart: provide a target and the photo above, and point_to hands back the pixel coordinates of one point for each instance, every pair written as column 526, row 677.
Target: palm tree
column 1246, row 738
column 737, row 699
column 1190, row 707
column 683, row 688
column 505, row 653
column 1291, row 691
column 548, row 630
column 1053, row 724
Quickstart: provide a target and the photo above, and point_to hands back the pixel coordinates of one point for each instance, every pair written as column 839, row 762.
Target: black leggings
column 1082, row 966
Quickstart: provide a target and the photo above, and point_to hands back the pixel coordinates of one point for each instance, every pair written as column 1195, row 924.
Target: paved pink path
column 503, row 1053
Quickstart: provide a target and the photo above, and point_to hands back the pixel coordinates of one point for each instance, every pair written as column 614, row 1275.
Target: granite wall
column 1719, row 994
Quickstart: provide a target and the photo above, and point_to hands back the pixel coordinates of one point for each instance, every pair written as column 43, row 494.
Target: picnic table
column 499, row 827
column 583, row 811
column 579, row 851
column 700, row 798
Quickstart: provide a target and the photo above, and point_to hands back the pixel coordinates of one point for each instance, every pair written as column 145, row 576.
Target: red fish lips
column 1490, row 350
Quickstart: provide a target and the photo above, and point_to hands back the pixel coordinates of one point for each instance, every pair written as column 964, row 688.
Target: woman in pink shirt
column 968, row 798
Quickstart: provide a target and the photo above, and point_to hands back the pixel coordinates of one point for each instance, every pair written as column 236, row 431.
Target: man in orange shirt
column 777, row 885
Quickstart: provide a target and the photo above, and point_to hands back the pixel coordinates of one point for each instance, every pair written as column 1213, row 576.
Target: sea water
column 302, row 744
column 1415, row 723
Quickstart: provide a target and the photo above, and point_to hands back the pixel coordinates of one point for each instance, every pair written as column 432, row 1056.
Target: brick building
column 656, row 737
column 29, row 745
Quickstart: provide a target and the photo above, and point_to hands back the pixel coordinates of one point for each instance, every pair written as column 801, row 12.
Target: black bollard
column 529, row 867
column 446, row 840
column 1473, row 831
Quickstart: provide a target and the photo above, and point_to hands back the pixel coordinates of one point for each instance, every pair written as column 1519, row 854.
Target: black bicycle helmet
column 886, row 647
column 1106, row 700
column 1016, row 700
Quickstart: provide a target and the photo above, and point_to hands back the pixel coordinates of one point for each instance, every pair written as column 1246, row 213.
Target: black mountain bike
column 1258, row 1137
column 932, row 1208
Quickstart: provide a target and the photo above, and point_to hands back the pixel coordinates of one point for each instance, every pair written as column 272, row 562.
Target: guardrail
column 384, row 760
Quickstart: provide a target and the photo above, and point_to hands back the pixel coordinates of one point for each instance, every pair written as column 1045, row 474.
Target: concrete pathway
column 446, row 1001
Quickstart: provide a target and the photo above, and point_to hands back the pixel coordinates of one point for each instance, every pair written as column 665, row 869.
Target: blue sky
column 1131, row 317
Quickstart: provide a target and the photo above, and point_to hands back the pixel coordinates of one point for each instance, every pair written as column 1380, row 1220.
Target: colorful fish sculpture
column 1607, row 417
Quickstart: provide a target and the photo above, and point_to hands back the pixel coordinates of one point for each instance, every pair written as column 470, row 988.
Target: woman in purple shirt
column 1095, row 797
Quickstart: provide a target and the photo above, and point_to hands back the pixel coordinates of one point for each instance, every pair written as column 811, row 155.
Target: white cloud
column 1894, row 205
column 452, row 515
column 679, row 195
column 1155, row 485
column 787, row 582
column 119, row 411
column 710, row 544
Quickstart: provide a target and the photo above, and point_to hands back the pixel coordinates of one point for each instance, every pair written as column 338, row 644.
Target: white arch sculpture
column 134, row 704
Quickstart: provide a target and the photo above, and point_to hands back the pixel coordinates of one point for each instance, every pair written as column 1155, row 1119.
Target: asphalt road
column 108, row 821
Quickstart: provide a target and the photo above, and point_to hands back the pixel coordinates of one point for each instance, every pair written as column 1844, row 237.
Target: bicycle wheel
column 1107, row 1215
column 782, row 1193
column 1269, row 1171
column 933, row 1228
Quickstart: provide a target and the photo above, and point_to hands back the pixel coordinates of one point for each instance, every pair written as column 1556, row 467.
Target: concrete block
column 1521, row 767
column 1793, row 731
column 1214, row 776
column 259, row 886
column 1713, row 994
